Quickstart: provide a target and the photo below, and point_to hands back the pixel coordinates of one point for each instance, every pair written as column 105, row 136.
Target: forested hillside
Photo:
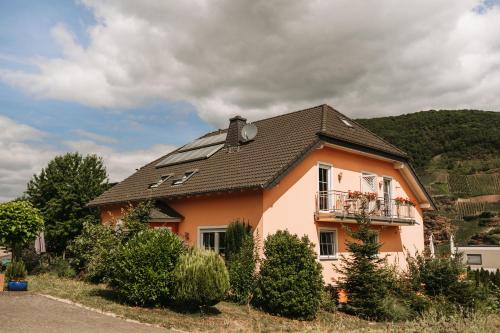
column 457, row 156
column 452, row 134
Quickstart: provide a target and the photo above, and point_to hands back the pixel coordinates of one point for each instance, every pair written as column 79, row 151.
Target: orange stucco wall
column 291, row 205
column 218, row 210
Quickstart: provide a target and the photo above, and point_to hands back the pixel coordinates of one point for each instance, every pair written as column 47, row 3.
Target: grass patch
column 229, row 317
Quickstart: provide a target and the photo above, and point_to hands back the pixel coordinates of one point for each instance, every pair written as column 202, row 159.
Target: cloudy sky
column 130, row 80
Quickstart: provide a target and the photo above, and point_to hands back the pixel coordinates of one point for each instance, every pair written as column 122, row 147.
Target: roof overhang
column 400, row 163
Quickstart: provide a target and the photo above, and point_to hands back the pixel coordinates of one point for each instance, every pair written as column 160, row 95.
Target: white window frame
column 329, row 167
column 335, row 246
column 209, row 229
column 368, row 173
column 185, row 177
column 474, row 255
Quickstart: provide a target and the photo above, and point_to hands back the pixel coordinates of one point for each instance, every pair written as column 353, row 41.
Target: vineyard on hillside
column 474, row 185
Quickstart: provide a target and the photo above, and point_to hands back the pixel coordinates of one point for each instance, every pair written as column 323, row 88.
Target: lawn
column 229, row 317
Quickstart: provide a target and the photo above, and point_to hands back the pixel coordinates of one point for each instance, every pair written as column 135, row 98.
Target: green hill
column 455, row 135
column 457, row 156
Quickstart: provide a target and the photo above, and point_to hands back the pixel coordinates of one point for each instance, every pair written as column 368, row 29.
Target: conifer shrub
column 142, row 269
column 236, row 233
column 242, row 274
column 363, row 274
column 201, row 279
column 290, row 282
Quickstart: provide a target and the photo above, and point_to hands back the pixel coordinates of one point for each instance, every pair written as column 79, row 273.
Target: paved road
column 24, row 312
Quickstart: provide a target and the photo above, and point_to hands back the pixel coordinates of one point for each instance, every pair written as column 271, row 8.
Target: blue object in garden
column 17, row 285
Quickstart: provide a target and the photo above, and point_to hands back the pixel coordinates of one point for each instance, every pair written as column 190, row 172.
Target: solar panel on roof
column 190, row 155
column 207, row 141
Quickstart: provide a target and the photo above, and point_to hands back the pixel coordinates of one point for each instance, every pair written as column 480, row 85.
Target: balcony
column 337, row 206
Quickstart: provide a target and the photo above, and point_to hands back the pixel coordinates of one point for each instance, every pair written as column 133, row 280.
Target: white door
column 369, row 184
column 387, row 208
column 324, row 187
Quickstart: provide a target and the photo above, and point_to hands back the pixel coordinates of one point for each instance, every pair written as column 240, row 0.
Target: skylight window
column 184, row 178
column 346, row 122
column 162, row 179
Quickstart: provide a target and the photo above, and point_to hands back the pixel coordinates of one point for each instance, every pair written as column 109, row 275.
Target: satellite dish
column 248, row 132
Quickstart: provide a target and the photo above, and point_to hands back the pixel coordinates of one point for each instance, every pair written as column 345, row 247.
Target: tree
column 363, row 278
column 20, row 223
column 61, row 192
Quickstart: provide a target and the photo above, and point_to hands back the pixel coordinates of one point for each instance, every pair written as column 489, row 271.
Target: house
column 486, row 257
column 300, row 171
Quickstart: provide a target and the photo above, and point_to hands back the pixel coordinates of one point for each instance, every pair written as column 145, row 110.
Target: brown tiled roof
column 281, row 142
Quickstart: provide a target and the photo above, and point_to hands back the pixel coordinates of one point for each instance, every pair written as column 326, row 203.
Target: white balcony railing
column 345, row 204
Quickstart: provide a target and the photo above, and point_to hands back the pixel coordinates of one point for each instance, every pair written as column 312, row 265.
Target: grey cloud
column 260, row 58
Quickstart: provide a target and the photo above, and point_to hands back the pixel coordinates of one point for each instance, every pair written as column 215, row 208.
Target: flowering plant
column 404, row 201
column 370, row 196
column 354, row 194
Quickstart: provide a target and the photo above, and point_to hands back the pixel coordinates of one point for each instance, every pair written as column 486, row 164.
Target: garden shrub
column 241, row 269
column 142, row 269
column 329, row 298
column 90, row 252
column 290, row 282
column 136, row 219
column 201, row 279
column 236, row 233
column 444, row 279
column 61, row 268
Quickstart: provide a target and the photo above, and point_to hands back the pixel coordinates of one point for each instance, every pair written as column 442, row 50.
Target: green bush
column 61, row 268
column 142, row 269
column 90, row 252
column 444, row 279
column 16, row 271
column 241, row 269
column 290, row 282
column 329, row 298
column 136, row 219
column 201, row 279
column 236, row 233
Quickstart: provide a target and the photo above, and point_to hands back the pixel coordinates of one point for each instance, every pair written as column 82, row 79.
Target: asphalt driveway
column 24, row 312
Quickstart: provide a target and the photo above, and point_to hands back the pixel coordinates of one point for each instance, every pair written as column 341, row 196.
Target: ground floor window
column 213, row 239
column 327, row 244
column 474, row 259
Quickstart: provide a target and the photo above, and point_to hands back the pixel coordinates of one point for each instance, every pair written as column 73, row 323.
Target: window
column 327, row 244
column 346, row 122
column 213, row 239
column 324, row 186
column 184, row 178
column 160, row 181
column 376, row 239
column 474, row 259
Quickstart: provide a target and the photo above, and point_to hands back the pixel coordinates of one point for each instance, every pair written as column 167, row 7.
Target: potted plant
column 16, row 276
